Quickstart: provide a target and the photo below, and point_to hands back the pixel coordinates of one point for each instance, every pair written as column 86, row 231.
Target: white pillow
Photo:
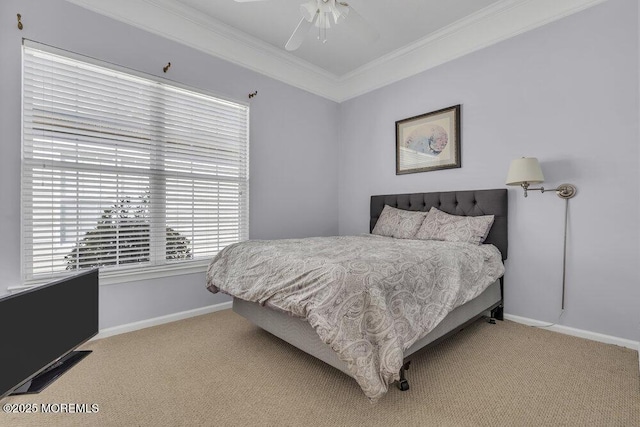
column 440, row 225
column 398, row 223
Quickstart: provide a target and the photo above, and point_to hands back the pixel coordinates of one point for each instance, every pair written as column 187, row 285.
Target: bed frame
column 489, row 304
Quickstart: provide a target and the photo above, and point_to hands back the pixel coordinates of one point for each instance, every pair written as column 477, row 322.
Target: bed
column 294, row 324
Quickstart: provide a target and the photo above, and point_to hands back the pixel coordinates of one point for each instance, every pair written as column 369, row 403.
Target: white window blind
column 122, row 171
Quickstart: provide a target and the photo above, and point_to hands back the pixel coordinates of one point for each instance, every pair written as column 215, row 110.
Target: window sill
column 140, row 274
column 111, row 277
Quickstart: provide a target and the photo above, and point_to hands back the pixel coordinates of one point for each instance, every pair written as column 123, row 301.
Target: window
column 124, row 172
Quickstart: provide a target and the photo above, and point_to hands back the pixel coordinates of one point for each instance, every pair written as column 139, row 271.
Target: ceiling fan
column 319, row 13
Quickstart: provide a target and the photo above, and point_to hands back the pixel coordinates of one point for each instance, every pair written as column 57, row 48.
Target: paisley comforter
column 368, row 297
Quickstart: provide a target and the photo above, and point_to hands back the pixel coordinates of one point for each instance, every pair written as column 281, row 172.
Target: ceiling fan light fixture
column 323, row 21
column 326, row 9
column 341, row 11
column 319, row 13
column 309, row 10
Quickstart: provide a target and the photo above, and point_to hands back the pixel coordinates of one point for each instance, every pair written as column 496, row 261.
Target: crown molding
column 500, row 21
column 176, row 22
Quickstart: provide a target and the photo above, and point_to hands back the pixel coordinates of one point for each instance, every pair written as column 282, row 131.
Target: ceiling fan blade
column 356, row 22
column 299, row 33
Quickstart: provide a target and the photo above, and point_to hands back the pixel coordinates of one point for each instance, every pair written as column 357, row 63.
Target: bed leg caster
column 403, row 384
column 498, row 313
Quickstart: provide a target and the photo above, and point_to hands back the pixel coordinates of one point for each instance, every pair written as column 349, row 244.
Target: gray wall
column 293, row 157
column 566, row 93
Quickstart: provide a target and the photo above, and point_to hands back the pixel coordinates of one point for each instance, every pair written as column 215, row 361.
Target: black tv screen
column 43, row 324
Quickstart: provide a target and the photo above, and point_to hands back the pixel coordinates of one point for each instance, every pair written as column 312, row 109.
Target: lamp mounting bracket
column 566, row 191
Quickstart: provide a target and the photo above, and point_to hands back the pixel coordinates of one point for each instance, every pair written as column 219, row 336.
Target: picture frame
column 428, row 142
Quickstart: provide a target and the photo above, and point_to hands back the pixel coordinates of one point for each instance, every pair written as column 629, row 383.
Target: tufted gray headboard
column 470, row 203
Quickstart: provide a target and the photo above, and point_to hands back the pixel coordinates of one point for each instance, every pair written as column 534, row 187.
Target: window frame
column 133, row 272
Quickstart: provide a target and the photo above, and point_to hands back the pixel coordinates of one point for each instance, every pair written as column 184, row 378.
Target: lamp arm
column 564, row 191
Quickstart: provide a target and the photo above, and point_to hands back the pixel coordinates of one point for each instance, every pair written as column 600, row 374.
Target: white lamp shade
column 526, row 169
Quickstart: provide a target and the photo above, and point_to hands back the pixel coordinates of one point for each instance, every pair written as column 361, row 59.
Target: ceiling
column 418, row 34
column 398, row 22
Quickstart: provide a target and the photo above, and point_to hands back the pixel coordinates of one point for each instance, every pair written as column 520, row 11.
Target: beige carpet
column 218, row 370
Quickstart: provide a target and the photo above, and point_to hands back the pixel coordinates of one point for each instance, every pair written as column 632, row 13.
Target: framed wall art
column 428, row 142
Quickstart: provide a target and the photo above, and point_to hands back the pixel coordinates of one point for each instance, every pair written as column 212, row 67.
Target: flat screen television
column 41, row 327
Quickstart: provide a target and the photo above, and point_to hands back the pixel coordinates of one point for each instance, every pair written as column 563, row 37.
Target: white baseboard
column 130, row 327
column 594, row 336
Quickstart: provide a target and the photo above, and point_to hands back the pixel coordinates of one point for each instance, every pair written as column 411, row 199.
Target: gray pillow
column 398, row 223
column 440, row 225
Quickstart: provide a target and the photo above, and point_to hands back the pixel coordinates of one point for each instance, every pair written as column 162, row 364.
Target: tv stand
column 51, row 373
